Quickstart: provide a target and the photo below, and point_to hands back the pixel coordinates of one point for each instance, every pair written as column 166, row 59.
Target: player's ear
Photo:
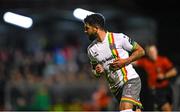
column 96, row 28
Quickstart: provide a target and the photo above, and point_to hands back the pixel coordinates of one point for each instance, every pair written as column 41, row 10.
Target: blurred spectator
column 159, row 70
column 2, row 86
column 45, row 80
column 176, row 88
column 17, row 91
column 41, row 99
column 50, row 67
column 101, row 98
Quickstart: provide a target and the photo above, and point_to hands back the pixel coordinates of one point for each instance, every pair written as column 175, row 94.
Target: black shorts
column 162, row 96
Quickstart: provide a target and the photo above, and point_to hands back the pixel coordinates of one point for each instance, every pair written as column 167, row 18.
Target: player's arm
column 171, row 70
column 171, row 73
column 96, row 68
column 136, row 52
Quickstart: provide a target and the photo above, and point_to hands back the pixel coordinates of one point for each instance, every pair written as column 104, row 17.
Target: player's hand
column 118, row 63
column 160, row 77
column 99, row 69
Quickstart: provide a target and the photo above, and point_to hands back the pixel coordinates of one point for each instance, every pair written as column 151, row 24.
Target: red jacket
column 161, row 65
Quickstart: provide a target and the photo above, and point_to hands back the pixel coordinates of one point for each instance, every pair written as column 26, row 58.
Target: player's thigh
column 131, row 93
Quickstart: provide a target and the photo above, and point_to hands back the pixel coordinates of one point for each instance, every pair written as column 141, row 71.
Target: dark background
column 164, row 13
column 55, row 28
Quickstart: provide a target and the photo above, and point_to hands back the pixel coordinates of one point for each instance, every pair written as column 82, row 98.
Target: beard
column 92, row 37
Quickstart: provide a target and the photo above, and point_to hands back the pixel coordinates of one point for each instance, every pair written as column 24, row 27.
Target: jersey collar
column 106, row 37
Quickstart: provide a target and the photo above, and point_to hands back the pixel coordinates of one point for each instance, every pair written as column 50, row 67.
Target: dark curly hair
column 96, row 19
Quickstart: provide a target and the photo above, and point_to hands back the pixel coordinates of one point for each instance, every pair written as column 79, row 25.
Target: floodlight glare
column 81, row 13
column 18, row 20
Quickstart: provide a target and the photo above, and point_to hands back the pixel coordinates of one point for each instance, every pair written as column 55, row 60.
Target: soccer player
column 109, row 57
column 159, row 70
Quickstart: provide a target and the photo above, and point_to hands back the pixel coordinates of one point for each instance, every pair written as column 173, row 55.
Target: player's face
column 91, row 31
column 152, row 52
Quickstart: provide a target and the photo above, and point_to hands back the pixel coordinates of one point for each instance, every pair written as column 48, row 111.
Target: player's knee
column 127, row 110
column 125, row 106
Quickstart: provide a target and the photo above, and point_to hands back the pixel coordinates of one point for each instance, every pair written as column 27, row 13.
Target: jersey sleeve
column 167, row 63
column 93, row 63
column 128, row 43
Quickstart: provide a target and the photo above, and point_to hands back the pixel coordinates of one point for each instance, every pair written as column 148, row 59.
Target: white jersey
column 102, row 52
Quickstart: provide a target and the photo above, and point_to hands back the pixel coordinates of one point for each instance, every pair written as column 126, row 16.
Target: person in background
column 159, row 71
column 110, row 58
column 101, row 98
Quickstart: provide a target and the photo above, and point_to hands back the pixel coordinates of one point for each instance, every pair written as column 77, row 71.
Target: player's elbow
column 174, row 71
column 142, row 52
